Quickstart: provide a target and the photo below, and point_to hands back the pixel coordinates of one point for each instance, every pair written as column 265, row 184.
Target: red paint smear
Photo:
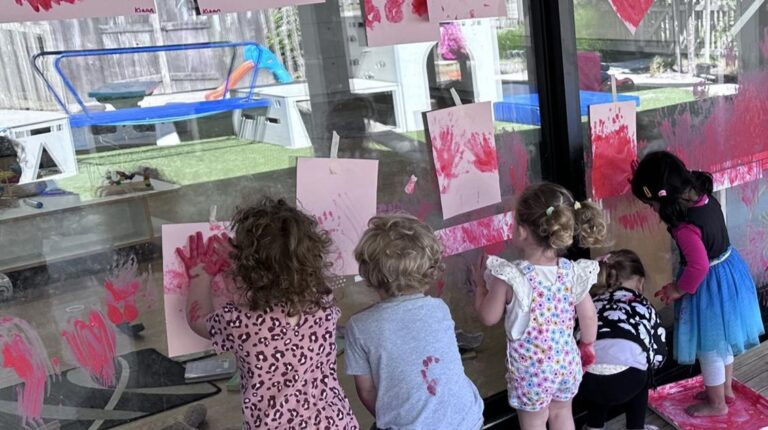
column 750, row 411
column 20, row 356
column 732, row 135
column 448, row 157
column 419, row 8
column 631, row 12
column 372, row 14
column 393, row 10
column 764, row 44
column 612, row 154
column 737, row 175
column 440, row 287
column 121, row 301
column 483, row 149
column 194, row 312
column 176, row 282
column 749, row 193
column 639, row 220
column 24, row 353
column 410, row 187
column 518, row 172
column 43, row 5
column 431, row 383
column 477, row 234
column 92, row 344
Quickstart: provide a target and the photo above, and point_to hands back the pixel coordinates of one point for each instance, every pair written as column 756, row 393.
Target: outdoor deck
column 750, row 368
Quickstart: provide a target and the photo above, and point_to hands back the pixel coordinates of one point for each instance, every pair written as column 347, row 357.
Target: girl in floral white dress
column 542, row 295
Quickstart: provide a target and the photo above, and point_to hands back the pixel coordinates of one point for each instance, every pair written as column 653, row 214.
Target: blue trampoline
column 152, row 114
column 524, row 108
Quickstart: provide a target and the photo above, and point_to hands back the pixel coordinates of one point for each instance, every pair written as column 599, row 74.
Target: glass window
column 145, row 160
column 697, row 73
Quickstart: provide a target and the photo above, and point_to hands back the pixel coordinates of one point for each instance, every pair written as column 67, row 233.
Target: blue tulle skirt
column 724, row 312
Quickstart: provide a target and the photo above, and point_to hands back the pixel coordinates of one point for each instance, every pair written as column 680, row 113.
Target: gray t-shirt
column 408, row 346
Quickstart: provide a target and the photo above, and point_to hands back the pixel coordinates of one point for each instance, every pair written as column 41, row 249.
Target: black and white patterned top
column 626, row 314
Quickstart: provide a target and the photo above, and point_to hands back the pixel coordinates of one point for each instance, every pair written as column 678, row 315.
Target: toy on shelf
column 119, row 182
column 255, row 57
column 135, row 115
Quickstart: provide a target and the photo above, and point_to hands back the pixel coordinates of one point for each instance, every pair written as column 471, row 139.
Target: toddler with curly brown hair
column 402, row 351
column 282, row 330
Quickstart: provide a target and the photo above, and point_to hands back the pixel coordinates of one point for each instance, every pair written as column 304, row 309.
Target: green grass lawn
column 184, row 164
column 223, row 158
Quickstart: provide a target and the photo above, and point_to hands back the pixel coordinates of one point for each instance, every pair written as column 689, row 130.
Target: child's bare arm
column 585, row 311
column 490, row 301
column 366, row 391
column 199, row 303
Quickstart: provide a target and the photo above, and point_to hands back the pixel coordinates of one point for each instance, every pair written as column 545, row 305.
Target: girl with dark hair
column 630, row 343
column 716, row 308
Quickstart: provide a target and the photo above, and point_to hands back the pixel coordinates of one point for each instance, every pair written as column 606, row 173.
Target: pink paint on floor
column 24, row 353
column 92, row 344
column 476, row 234
column 750, row 411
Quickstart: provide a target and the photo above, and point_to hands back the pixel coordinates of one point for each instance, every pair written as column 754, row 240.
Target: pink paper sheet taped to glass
column 476, row 234
column 750, row 411
column 464, row 152
column 181, row 339
column 39, row 10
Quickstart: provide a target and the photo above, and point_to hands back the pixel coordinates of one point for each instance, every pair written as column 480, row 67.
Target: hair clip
column 603, row 258
column 662, row 193
column 647, row 192
column 550, row 210
column 577, row 205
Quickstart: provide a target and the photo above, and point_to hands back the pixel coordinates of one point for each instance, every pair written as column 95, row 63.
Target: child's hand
column 587, row 352
column 669, row 293
column 211, row 257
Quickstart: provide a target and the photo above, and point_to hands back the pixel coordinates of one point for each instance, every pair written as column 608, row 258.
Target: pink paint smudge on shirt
column 410, row 187
column 393, row 10
column 419, row 8
column 92, row 344
column 483, row 150
column 431, row 383
column 448, row 157
column 24, row 353
column 372, row 14
column 477, row 234
column 43, row 5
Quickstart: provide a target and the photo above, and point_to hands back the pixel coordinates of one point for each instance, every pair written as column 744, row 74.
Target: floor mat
column 148, row 383
column 750, row 412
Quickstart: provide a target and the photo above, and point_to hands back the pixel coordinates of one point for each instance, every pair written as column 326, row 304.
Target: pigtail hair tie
column 662, row 193
column 550, row 210
column 577, row 206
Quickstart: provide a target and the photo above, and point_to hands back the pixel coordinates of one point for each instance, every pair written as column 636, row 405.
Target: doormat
column 148, row 383
column 749, row 412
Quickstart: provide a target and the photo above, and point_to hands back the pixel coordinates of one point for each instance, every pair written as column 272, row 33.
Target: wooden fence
column 174, row 23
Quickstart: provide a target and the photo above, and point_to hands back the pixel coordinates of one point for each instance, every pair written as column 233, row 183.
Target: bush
column 511, row 40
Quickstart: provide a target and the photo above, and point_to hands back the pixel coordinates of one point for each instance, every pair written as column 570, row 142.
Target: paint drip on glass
column 24, row 353
column 410, row 187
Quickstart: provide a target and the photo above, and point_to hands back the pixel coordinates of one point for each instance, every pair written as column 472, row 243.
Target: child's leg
column 636, row 409
column 729, row 376
column 533, row 420
column 713, row 371
column 561, row 416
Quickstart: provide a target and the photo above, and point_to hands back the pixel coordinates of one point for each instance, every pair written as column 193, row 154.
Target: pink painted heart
column 631, row 12
column 92, row 344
